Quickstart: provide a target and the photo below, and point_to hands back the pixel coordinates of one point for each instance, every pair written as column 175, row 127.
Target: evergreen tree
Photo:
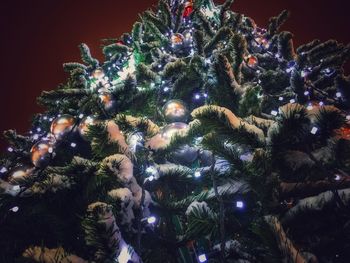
column 200, row 138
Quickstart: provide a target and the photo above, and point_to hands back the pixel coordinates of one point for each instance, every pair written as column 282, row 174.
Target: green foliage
column 86, row 56
column 202, row 221
column 328, row 120
column 101, row 144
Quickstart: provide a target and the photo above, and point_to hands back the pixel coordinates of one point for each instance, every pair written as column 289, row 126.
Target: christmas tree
column 200, row 138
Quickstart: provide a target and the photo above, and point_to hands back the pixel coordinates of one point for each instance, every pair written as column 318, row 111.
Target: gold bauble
column 175, row 111
column 108, row 101
column 177, row 40
column 41, row 153
column 84, row 125
column 62, row 125
column 98, row 73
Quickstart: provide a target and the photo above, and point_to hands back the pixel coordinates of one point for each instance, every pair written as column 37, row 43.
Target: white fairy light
column 36, row 136
column 202, row 258
column 151, row 220
column 124, row 255
column 338, row 95
column 314, row 130
column 81, row 116
column 197, row 174
column 14, row 209
column 10, row 149
column 337, row 177
column 321, row 103
column 166, row 89
column 292, row 101
column 3, row 170
column 50, row 150
column 274, row 113
column 348, row 117
column 239, row 204
column 197, row 96
column 73, row 145
column 130, row 69
column 306, row 93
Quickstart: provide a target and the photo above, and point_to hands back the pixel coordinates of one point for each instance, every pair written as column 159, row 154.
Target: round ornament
column 135, row 140
column 41, row 153
column 62, row 125
column 83, row 127
column 188, row 39
column 186, row 155
column 98, row 74
column 170, row 130
column 251, row 61
column 175, row 111
column 188, row 8
column 108, row 101
column 177, row 41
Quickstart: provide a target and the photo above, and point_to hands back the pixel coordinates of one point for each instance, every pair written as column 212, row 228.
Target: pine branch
column 86, row 56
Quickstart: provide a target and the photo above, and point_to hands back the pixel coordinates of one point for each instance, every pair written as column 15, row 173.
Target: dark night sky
column 38, row 36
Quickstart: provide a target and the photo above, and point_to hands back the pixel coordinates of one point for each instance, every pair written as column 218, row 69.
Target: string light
column 274, row 113
column 3, row 170
column 239, row 204
column 197, row 174
column 314, row 130
column 151, row 220
column 15, row 209
column 202, row 258
column 10, row 149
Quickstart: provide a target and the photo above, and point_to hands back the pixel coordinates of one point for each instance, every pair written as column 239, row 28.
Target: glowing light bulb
column 239, row 204
column 202, row 258
column 151, row 220
column 197, row 174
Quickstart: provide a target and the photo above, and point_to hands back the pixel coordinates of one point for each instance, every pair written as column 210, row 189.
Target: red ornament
column 344, row 132
column 251, row 61
column 188, row 8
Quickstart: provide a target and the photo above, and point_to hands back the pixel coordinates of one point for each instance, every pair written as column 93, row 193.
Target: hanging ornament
column 19, row 174
column 41, row 153
column 175, row 111
column 188, row 8
column 98, row 74
column 186, row 155
column 84, row 125
column 62, row 125
column 108, row 101
column 135, row 140
column 177, row 41
column 251, row 61
column 188, row 39
column 344, row 132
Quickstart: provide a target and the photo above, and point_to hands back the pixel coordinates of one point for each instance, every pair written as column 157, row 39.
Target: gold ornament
column 84, row 125
column 177, row 40
column 98, row 74
column 175, row 111
column 62, row 125
column 41, row 153
column 107, row 101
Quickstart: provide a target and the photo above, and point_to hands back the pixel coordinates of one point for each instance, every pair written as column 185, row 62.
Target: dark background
column 38, row 36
